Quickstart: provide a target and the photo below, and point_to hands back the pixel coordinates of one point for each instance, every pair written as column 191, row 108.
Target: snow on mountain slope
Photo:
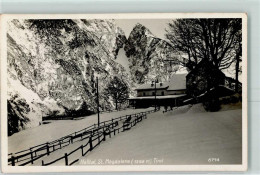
column 56, row 60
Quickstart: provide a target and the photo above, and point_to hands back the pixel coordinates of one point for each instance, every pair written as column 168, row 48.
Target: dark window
column 153, row 94
column 144, row 94
column 162, row 93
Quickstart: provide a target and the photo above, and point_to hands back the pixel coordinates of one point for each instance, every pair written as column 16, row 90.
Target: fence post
column 112, row 123
column 71, row 139
column 104, row 136
column 109, row 133
column 98, row 137
column 13, row 160
column 42, row 163
column 66, row 159
column 60, row 143
column 31, row 156
column 48, row 151
column 90, row 143
column 82, row 151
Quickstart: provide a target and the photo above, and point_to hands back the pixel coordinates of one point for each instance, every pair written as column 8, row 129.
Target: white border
column 120, row 168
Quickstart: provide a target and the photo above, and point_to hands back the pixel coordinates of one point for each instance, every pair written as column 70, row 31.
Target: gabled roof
column 177, row 82
column 208, row 65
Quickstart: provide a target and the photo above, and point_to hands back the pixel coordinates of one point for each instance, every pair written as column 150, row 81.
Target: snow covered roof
column 177, row 82
column 157, row 97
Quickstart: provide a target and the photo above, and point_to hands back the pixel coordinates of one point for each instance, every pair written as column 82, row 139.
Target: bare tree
column 118, row 90
column 214, row 39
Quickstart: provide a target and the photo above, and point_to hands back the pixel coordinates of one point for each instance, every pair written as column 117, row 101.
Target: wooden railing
column 92, row 133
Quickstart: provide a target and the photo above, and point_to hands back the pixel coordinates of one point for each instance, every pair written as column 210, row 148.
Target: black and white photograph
column 147, row 92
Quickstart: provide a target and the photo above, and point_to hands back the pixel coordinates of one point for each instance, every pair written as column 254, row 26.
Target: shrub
column 234, row 99
column 212, row 105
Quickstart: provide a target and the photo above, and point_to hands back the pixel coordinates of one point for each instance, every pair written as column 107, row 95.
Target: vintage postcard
column 124, row 92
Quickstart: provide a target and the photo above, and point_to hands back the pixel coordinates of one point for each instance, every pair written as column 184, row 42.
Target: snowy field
column 187, row 135
column 57, row 129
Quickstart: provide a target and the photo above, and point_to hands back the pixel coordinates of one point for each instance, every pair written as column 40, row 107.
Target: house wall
column 140, row 93
column 176, row 92
column 144, row 103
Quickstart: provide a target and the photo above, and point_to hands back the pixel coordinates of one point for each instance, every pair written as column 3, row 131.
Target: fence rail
column 92, row 133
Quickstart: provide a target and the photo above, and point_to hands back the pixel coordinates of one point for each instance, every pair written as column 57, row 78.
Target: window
column 162, row 93
column 153, row 94
column 144, row 94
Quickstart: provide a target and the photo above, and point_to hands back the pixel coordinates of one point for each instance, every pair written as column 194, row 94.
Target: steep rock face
column 54, row 62
column 146, row 55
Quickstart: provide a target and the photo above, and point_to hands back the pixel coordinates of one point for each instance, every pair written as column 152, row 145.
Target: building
column 204, row 77
column 203, row 82
column 169, row 93
column 208, row 78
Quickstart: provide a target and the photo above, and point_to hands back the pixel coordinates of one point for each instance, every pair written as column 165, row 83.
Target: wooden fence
column 90, row 133
column 74, row 117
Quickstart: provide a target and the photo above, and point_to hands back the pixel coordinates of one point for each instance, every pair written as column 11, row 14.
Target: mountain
column 147, row 54
column 52, row 65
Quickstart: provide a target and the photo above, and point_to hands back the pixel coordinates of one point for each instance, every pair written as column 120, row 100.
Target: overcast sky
column 156, row 26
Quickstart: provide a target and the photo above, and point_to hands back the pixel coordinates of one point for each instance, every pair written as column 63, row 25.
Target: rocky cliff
column 52, row 65
column 147, row 54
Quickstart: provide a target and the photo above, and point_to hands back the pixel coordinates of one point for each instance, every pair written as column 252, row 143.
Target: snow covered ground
column 57, row 129
column 187, row 135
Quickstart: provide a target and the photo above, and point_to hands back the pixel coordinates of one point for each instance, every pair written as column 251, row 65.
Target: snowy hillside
column 52, row 64
column 187, row 135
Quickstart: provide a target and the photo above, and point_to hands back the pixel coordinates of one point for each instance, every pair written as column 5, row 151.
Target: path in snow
column 177, row 137
column 57, row 129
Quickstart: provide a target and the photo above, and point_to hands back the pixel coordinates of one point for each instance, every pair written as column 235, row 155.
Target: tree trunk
column 237, row 65
column 237, row 70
